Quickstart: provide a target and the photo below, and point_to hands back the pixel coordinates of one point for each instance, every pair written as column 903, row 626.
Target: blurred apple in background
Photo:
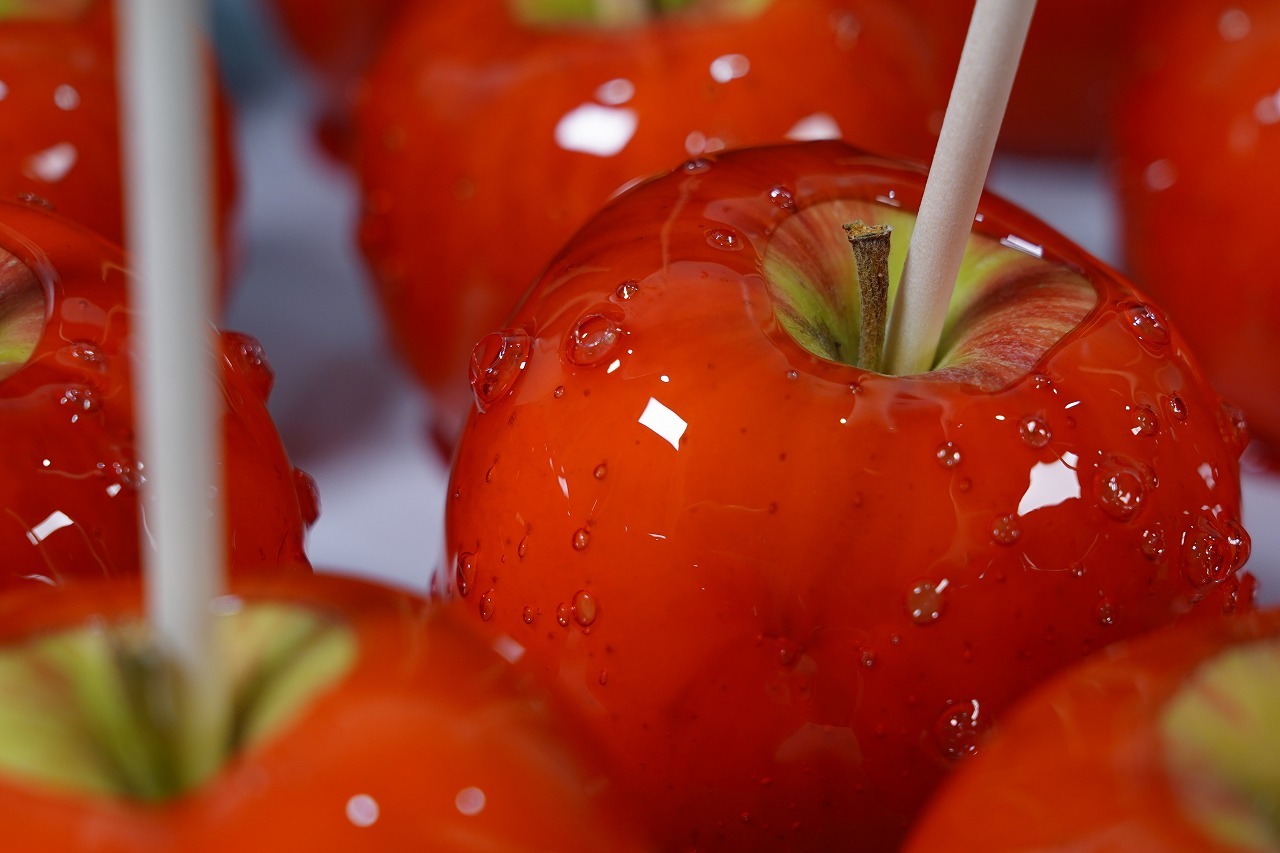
column 60, row 144
column 70, row 473
column 1062, row 99
column 1197, row 172
column 489, row 131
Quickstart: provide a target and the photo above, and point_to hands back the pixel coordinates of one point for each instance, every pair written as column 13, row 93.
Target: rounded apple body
column 1167, row 743
column 70, row 473
column 60, row 111
column 418, row 738
column 788, row 594
column 1216, row 61
column 478, row 156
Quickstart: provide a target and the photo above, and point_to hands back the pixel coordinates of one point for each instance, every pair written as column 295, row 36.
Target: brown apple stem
column 871, row 255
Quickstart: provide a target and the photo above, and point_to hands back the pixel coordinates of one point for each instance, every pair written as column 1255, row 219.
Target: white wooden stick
column 166, row 109
column 966, row 144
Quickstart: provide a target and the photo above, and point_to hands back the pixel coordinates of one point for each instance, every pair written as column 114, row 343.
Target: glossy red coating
column 60, row 113
column 1199, row 206
column 1062, row 98
column 484, row 143
column 1081, row 763
column 430, row 742
column 70, row 470
column 786, row 594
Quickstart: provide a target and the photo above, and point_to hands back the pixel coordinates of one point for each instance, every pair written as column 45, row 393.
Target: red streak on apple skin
column 767, row 513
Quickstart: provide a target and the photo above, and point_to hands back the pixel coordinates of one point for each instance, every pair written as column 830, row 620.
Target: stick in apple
column 966, row 144
column 166, row 111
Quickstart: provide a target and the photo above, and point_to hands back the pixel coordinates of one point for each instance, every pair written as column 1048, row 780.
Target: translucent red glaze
column 813, row 587
column 429, row 742
column 70, row 470
column 1081, row 763
column 478, row 156
column 1199, row 208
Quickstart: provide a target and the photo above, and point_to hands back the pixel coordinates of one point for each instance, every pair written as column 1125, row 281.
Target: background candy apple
column 485, row 140
column 1062, row 101
column 362, row 722
column 1168, row 743
column 787, row 593
column 70, row 471
column 58, row 107
column 337, row 39
column 1213, row 64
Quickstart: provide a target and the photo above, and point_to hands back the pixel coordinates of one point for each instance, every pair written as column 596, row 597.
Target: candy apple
column 1168, row 743
column 361, row 721
column 1218, row 62
column 70, row 471
column 789, row 593
column 1062, row 101
column 58, row 107
column 488, row 134
column 337, row 39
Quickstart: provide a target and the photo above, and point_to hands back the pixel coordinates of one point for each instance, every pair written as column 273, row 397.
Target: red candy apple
column 70, row 472
column 1168, row 744
column 1198, row 205
column 487, row 136
column 58, row 107
column 1076, row 49
column 362, row 721
column 788, row 593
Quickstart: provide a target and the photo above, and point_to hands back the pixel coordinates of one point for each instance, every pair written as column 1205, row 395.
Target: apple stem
column 166, row 103
column 871, row 255
column 961, row 161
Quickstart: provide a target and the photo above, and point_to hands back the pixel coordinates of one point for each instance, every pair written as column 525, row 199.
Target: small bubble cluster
column 724, row 238
column 948, row 455
column 464, row 573
column 1212, row 553
column 1147, row 325
column 595, row 338
column 958, row 730
column 1034, row 432
column 925, row 602
column 497, row 363
column 1005, row 530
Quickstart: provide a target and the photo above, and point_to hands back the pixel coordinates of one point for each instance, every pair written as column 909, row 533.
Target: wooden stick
column 166, row 109
column 966, row 144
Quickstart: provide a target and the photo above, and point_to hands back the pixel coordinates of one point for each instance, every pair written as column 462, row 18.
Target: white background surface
column 349, row 414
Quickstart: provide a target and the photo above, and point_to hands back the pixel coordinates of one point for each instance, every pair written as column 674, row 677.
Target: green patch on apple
column 23, row 309
column 96, row 713
column 991, row 337
column 627, row 12
column 1222, row 737
column 55, row 10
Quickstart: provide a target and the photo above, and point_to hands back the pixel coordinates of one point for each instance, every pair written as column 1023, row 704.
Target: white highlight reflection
column 1051, row 483
column 615, row 92
column 667, row 424
column 56, row 521
column 593, row 129
column 52, row 164
column 362, row 810
column 470, row 801
column 508, row 648
column 814, row 127
column 731, row 66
